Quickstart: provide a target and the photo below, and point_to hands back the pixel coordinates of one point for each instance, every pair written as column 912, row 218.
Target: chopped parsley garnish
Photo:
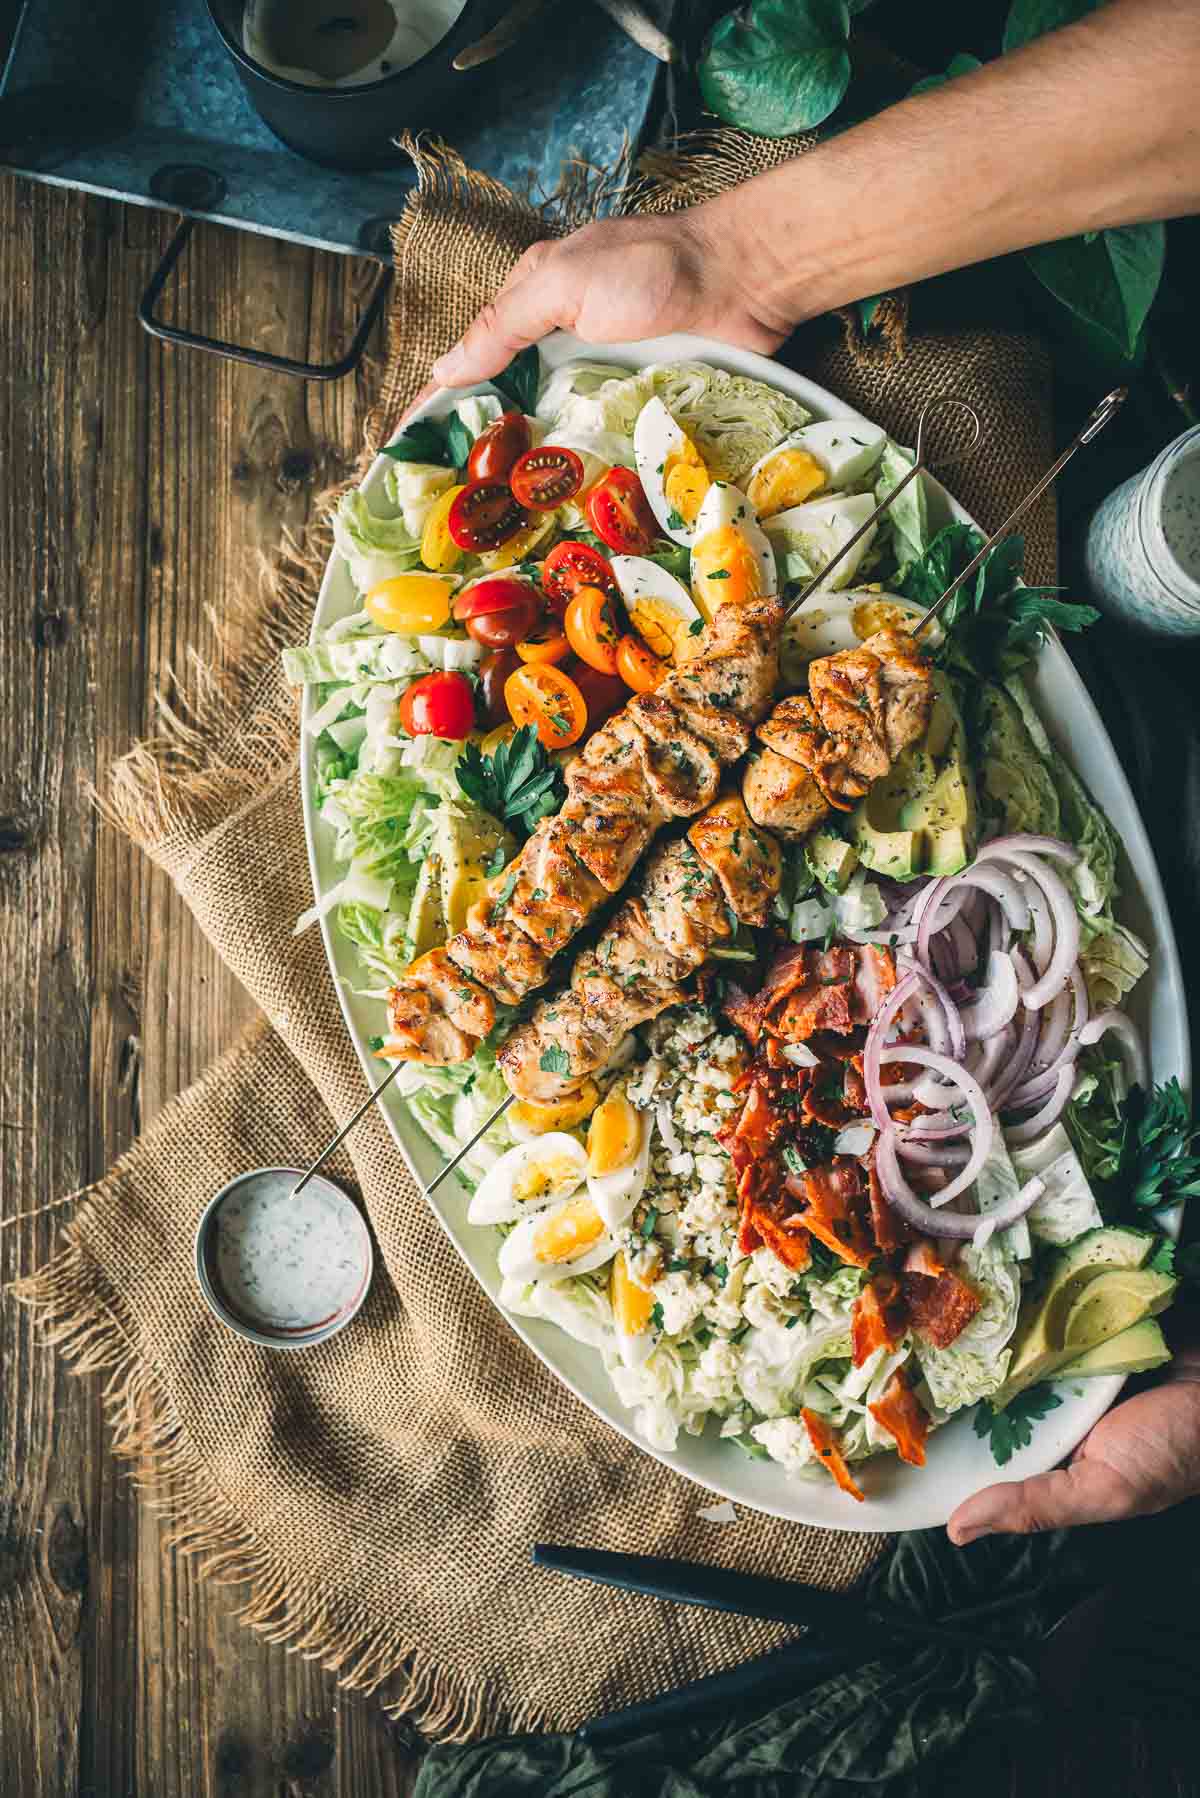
column 555, row 1060
column 496, row 861
column 507, row 890
column 678, row 1264
column 695, row 627
column 719, row 574
column 1012, row 1428
column 375, row 1043
column 721, row 1269
column 648, row 1222
column 519, row 382
column 656, row 1315
column 519, row 783
column 675, row 520
column 793, row 1160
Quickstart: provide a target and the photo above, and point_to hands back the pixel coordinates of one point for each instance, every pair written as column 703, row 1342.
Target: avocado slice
column 1135, row 1350
column 831, row 859
column 426, row 924
column 1113, row 1301
column 466, row 842
column 1038, row 1347
column 921, row 817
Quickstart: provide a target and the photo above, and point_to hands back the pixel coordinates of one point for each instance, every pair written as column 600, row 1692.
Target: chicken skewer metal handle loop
column 1108, row 408
column 940, row 403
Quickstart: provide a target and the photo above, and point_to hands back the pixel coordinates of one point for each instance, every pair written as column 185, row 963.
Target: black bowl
column 353, row 127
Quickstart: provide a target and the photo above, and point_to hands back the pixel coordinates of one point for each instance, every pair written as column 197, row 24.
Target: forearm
column 1095, row 125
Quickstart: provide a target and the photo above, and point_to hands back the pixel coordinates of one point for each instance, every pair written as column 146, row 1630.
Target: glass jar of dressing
column 1143, row 545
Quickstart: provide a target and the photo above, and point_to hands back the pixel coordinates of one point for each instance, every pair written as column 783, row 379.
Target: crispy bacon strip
column 891, row 1231
column 825, row 1443
column 879, row 1318
column 902, row 1415
column 940, row 1309
column 792, row 1245
column 835, row 1210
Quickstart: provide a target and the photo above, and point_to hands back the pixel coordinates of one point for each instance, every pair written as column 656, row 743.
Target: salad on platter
column 798, row 945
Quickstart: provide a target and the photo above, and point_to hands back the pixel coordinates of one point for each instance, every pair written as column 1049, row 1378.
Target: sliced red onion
column 1122, row 1028
column 1057, row 970
column 953, row 1037
column 854, row 1139
column 986, row 1058
column 997, row 1000
column 904, row 990
column 1055, row 1028
column 1026, row 843
column 1038, row 1087
column 939, row 1154
column 952, row 1071
column 935, row 1221
column 941, row 902
column 800, row 1055
column 1037, row 1125
column 1001, row 886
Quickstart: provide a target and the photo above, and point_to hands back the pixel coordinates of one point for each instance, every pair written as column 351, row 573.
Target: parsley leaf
column 519, row 382
column 793, row 1160
column 375, row 1042
column 518, row 783
column 555, row 1060
column 458, row 442
column 695, row 627
column 496, row 861
column 1012, row 1428
column 1162, row 1261
column 425, row 441
column 656, row 1315
column 1141, row 1149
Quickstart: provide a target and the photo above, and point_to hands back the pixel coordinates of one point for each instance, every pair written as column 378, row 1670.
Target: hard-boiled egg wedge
column 618, row 1157
column 732, row 561
column 565, row 1239
column 819, row 529
column 835, row 453
column 632, row 1306
column 527, row 1120
column 829, row 622
column 672, row 471
column 659, row 608
column 529, row 1177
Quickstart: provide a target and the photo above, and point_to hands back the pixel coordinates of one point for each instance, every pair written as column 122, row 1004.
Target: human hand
column 623, row 279
column 1142, row 1457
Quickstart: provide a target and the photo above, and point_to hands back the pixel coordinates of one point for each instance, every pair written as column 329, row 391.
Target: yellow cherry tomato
column 545, row 697
column 517, row 547
column 411, row 605
column 638, row 667
column 591, row 629
column 494, row 738
column 439, row 551
column 548, row 645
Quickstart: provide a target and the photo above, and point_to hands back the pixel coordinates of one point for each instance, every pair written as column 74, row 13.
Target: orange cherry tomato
column 546, row 644
column 592, row 629
column 545, row 697
column 638, row 666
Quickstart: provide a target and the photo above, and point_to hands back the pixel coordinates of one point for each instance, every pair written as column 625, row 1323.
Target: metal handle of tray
column 237, row 352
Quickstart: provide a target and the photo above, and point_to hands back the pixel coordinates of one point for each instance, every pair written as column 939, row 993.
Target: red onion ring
column 1056, row 971
column 936, row 1222
column 1027, row 844
column 954, row 1073
column 996, row 1003
column 1122, row 1027
column 901, row 993
column 1051, row 1111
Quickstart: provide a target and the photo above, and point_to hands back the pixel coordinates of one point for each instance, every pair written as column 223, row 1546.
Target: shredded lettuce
column 375, row 548
column 975, row 1363
column 1081, row 821
column 908, row 517
column 1068, row 1206
column 1113, row 962
column 361, row 660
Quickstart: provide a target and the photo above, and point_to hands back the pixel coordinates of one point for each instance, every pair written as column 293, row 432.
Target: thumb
column 1088, row 1491
column 521, row 313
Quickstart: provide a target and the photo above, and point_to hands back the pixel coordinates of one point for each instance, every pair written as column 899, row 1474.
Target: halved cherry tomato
column 570, row 566
column 483, row 515
column 592, row 630
column 499, row 612
column 546, row 644
column 497, row 447
column 638, row 666
column 548, row 699
column 439, row 705
column 494, row 670
column 619, row 512
column 603, row 694
column 546, row 477
column 438, row 549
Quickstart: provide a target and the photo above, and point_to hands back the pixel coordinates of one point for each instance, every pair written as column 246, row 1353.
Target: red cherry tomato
column 619, row 512
column 603, row 694
column 503, row 630
column 484, row 515
column 439, row 705
column 499, row 612
column 546, row 477
column 570, row 566
column 494, row 670
column 497, row 447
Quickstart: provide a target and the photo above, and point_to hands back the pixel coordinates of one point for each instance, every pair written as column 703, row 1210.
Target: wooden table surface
column 137, row 486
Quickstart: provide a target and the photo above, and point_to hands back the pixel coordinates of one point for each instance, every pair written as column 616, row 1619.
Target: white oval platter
column 897, row 1497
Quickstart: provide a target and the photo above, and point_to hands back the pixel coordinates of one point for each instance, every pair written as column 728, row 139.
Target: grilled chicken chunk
column 745, row 861
column 681, row 770
column 562, row 1043
column 497, row 953
column 610, row 806
column 794, row 730
column 907, row 688
column 873, row 701
column 553, row 894
column 437, row 1014
column 685, row 907
column 782, row 795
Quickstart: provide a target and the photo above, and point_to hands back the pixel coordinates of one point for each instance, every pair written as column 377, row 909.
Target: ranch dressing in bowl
column 1143, row 545
column 320, row 43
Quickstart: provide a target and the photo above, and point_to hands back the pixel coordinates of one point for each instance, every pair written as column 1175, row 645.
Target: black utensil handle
column 779, row 1671
column 699, row 1583
column 236, row 352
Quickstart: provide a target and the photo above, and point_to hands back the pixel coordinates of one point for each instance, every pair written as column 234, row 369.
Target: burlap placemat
column 377, row 1496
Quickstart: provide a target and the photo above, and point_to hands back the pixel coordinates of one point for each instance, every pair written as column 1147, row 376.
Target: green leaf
column 519, row 382
column 961, row 64
column 1109, row 283
column 778, row 66
column 1028, row 19
column 519, row 782
column 458, row 442
column 423, row 442
column 1012, row 1428
column 1162, row 1261
column 866, row 312
column 555, row 1060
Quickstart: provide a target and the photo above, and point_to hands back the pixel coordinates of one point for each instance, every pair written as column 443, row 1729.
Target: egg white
column 616, row 1194
column 845, row 450
column 655, row 437
column 820, row 527
column 638, row 578
column 494, row 1200
column 726, row 505
column 519, row 1262
column 830, row 622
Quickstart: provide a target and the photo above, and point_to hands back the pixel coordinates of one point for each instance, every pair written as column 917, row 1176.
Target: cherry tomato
column 497, row 447
column 546, row 477
column 502, row 630
column 546, row 644
column 638, row 666
column 410, row 604
column 494, row 670
column 618, row 511
column 439, row 705
column 500, row 612
column 592, row 630
column 603, row 694
column 483, row 515
column 570, row 566
column 438, row 549
column 548, row 699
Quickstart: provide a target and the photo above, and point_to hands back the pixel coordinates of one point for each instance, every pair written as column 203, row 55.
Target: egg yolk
column 411, row 604
column 563, row 1114
column 541, row 1179
column 725, row 570
column 614, row 1135
column 876, row 615
column 631, row 1303
column 685, row 479
column 788, row 479
column 663, row 629
column 569, row 1232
